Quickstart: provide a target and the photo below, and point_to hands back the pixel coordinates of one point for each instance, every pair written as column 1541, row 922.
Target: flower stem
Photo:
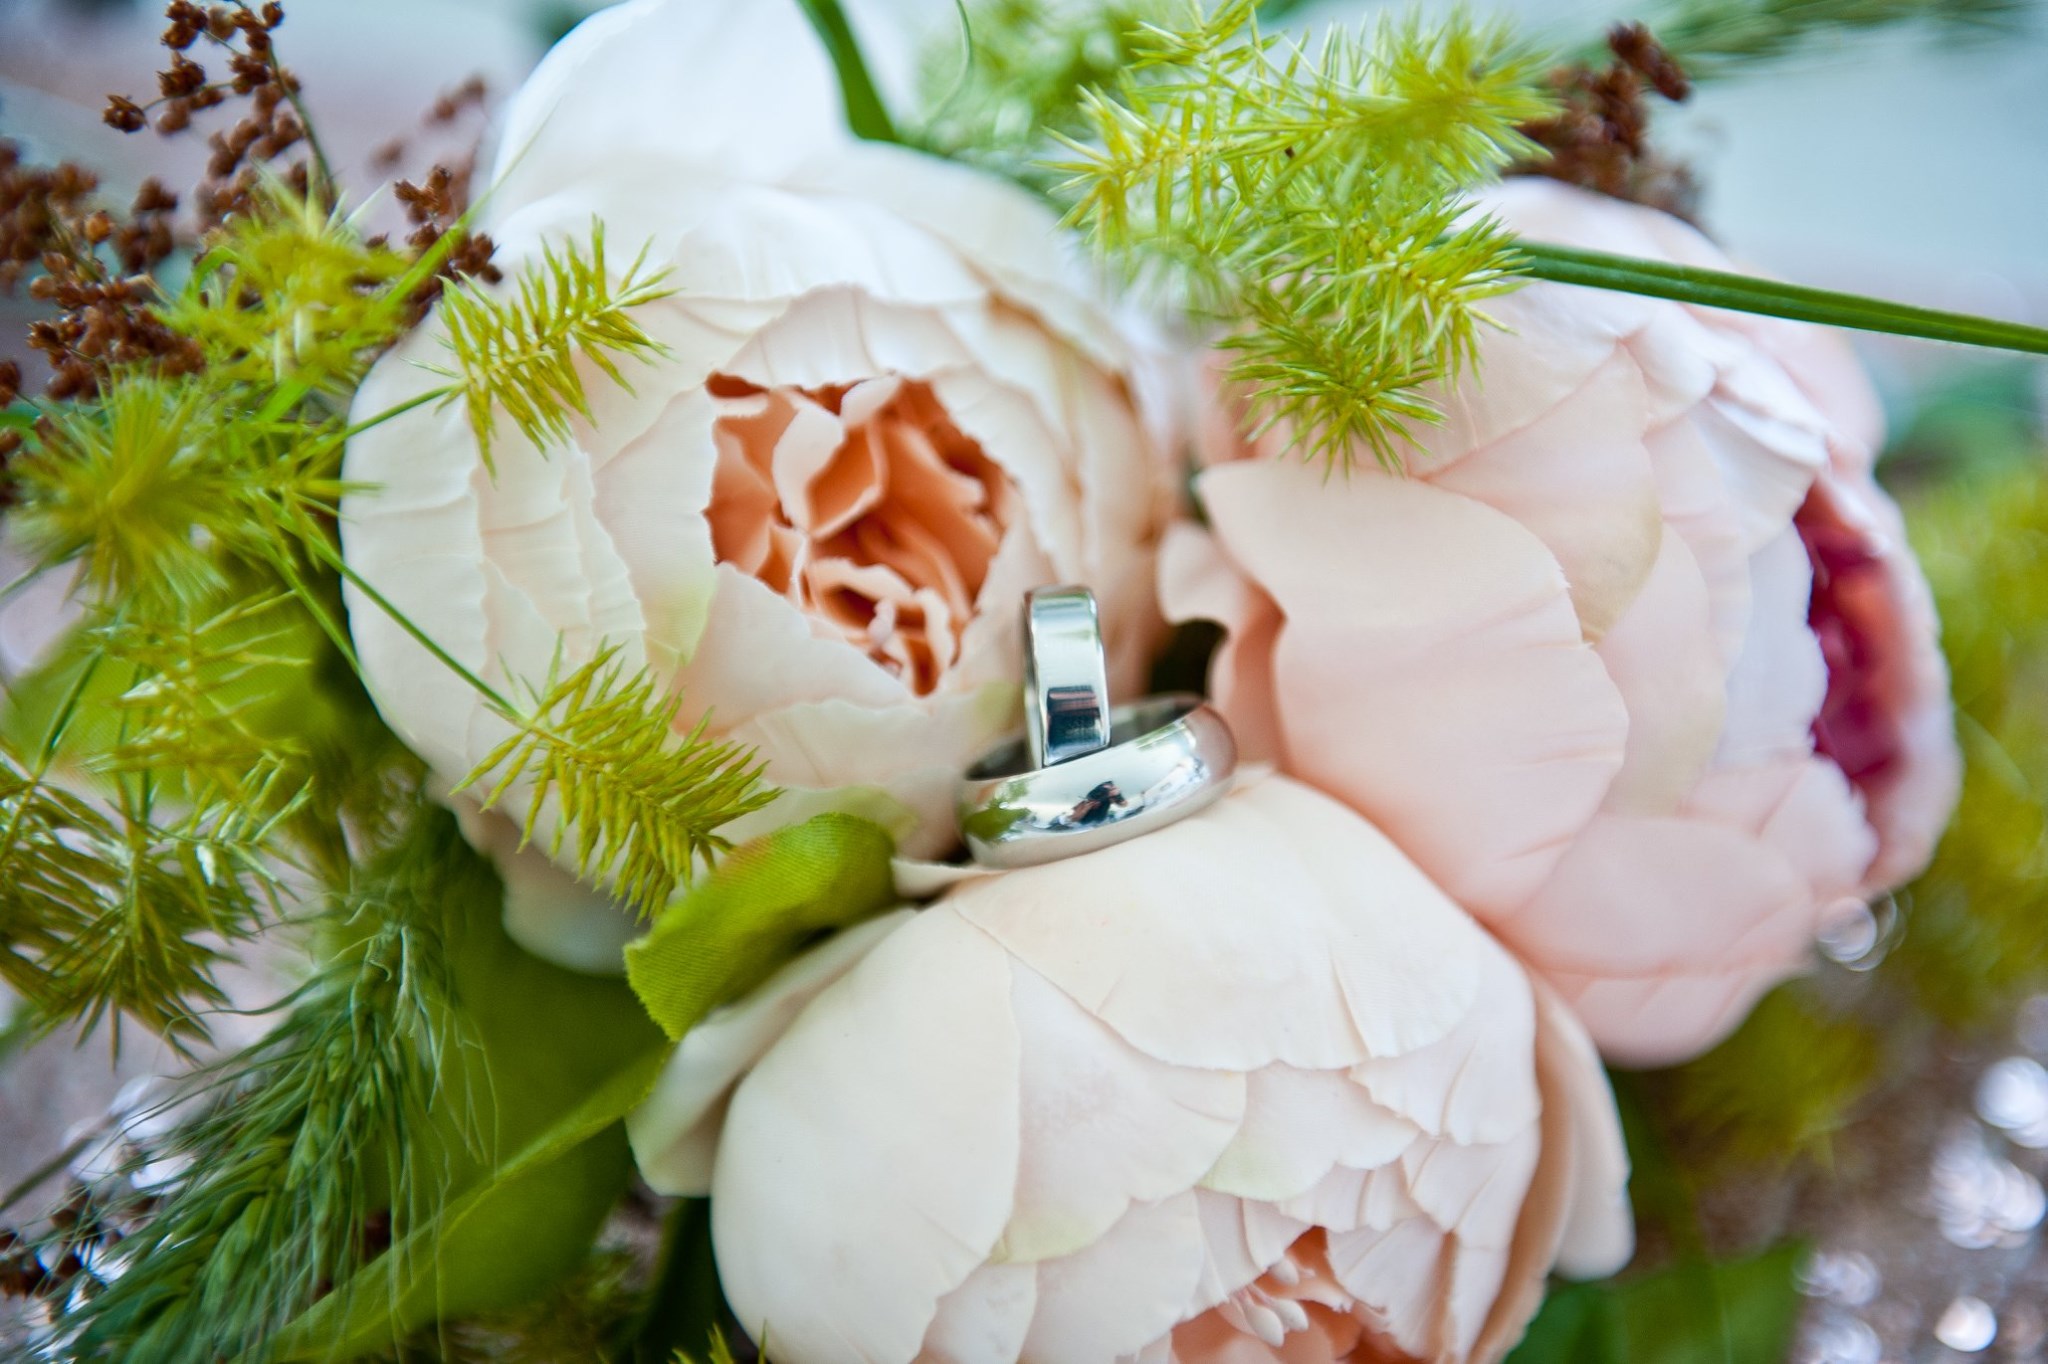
column 865, row 112
column 1771, row 298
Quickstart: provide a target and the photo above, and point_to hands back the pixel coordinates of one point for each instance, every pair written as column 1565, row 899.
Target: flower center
column 1296, row 1309
column 1855, row 727
column 866, row 507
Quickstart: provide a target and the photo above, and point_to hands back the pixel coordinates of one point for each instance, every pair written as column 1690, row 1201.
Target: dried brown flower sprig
column 91, row 266
column 274, row 125
column 1599, row 138
column 438, row 209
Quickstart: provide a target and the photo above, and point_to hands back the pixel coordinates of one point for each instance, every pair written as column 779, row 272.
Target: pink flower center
column 1847, row 613
column 1296, row 1310
column 866, row 507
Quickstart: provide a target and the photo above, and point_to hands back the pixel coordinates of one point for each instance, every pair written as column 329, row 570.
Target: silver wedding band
column 1066, row 683
column 1083, row 776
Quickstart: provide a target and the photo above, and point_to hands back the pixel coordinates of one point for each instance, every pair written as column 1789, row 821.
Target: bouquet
column 1202, row 699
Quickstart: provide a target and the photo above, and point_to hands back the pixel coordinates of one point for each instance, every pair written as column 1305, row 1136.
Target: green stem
column 865, row 112
column 421, row 637
column 392, row 413
column 1771, row 298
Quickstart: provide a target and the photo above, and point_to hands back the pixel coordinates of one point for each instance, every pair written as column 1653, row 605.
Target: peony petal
column 675, row 1132
column 1657, row 929
column 1103, row 1126
column 1298, row 1125
column 1274, row 926
column 569, row 123
column 881, row 1221
column 1779, row 679
column 985, row 1318
column 1661, row 655
column 1579, row 478
column 1474, row 1084
column 1430, row 672
column 1123, row 1292
column 1400, row 1274
column 1197, row 581
column 1243, row 1240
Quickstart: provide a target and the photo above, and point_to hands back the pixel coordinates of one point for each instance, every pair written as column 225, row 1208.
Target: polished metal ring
column 1169, row 756
column 1066, row 684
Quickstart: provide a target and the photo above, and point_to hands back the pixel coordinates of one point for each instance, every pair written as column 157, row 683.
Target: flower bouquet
column 569, row 652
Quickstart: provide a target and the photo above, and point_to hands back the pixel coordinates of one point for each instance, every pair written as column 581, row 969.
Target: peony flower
column 890, row 407
column 1248, row 1088
column 1638, row 665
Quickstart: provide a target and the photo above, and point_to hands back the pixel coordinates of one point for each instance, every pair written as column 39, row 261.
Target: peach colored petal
column 1298, row 1125
column 1471, row 1086
column 1579, row 478
column 1661, row 655
column 1352, row 952
column 1197, row 581
column 1124, row 1291
column 985, row 1318
column 674, row 1133
column 1654, row 928
column 1779, row 679
column 1103, row 1125
column 909, row 1239
column 1430, row 672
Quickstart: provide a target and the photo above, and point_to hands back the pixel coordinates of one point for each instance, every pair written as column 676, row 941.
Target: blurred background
column 1877, row 1137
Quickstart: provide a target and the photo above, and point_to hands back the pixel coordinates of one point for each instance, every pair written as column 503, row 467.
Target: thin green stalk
column 425, row 641
column 1770, row 298
column 865, row 112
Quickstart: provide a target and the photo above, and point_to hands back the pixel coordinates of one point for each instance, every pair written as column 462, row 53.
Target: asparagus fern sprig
column 642, row 803
column 517, row 354
column 1309, row 199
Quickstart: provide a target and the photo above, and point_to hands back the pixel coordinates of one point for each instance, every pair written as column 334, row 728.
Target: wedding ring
column 1066, row 683
column 1169, row 756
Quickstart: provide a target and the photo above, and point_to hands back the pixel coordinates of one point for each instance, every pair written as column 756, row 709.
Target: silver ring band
column 1171, row 756
column 1066, row 685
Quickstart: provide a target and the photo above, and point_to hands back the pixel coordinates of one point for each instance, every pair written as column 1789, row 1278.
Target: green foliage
column 433, row 1089
column 1775, row 1092
column 1310, row 201
column 303, row 1140
column 761, row 905
column 643, row 803
column 112, row 911
column 1018, row 79
column 1693, row 1312
column 518, row 354
column 293, row 294
column 1973, row 944
column 1714, row 38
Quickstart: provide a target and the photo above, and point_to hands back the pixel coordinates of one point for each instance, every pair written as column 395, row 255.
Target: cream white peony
column 890, row 408
column 1246, row 1089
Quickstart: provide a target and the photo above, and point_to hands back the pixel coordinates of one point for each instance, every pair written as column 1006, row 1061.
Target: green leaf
column 1772, row 298
column 729, row 932
column 1694, row 1312
column 482, row 1251
column 865, row 112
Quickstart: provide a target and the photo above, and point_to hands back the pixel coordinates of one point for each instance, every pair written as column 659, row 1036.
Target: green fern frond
column 301, row 1147
column 187, row 709
column 642, row 803
column 112, row 913
column 1311, row 202
column 518, row 355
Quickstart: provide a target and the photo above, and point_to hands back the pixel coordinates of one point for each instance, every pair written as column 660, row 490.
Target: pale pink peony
column 1246, row 1089
column 891, row 407
column 1637, row 665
